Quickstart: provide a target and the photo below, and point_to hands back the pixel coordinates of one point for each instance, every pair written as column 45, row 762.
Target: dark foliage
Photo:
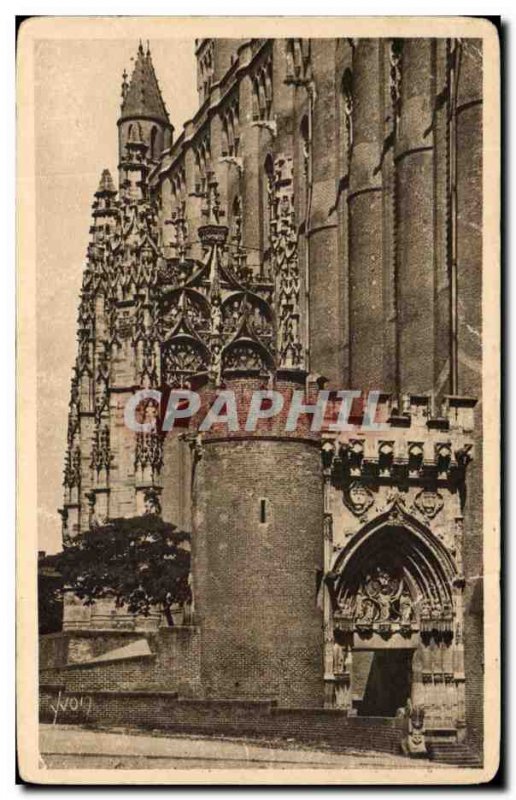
column 141, row 562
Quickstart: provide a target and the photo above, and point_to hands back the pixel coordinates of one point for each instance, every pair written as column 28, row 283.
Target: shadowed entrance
column 382, row 681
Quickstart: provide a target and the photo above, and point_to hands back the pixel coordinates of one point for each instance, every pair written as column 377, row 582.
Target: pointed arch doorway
column 397, row 621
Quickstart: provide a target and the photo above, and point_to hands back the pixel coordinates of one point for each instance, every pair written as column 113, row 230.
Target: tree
column 140, row 562
column 50, row 598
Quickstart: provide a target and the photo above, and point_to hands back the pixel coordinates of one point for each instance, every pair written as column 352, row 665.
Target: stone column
column 415, row 217
column 327, row 333
column 365, row 219
column 449, row 685
column 391, row 84
column 418, row 689
column 427, row 658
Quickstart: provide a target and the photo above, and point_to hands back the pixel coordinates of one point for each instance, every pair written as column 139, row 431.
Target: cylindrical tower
column 143, row 113
column 257, row 560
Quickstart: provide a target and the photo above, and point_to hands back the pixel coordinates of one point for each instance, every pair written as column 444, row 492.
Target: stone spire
column 106, row 184
column 141, row 98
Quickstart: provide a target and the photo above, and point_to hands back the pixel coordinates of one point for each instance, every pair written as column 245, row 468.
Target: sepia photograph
column 258, row 400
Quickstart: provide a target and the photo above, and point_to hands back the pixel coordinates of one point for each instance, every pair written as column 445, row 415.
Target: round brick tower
column 257, row 558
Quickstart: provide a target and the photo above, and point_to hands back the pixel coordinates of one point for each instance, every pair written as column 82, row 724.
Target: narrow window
column 154, row 144
column 263, row 510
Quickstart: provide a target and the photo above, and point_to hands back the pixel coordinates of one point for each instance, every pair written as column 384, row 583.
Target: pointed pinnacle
column 143, row 95
column 106, row 183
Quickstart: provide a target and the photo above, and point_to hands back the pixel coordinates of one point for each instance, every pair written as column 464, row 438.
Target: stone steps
column 454, row 753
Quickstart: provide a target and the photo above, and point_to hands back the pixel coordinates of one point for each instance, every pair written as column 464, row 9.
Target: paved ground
column 68, row 747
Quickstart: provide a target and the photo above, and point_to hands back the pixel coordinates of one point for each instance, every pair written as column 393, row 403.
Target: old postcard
column 258, row 400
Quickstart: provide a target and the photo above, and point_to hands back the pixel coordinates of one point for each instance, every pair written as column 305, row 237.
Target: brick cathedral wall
column 394, row 252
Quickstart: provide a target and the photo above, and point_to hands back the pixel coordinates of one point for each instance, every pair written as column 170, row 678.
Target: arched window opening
column 154, row 144
column 262, row 93
column 255, row 104
column 129, row 137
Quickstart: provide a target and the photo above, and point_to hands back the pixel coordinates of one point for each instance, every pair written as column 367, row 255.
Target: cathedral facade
column 317, row 224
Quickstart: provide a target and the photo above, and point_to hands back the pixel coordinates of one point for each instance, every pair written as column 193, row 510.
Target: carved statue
column 437, row 610
column 216, row 316
column 413, row 743
column 347, row 608
column 364, row 609
column 424, row 608
column 338, row 659
column 405, row 606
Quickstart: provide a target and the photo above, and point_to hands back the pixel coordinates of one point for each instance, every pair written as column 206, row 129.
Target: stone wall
column 164, row 710
column 172, row 664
